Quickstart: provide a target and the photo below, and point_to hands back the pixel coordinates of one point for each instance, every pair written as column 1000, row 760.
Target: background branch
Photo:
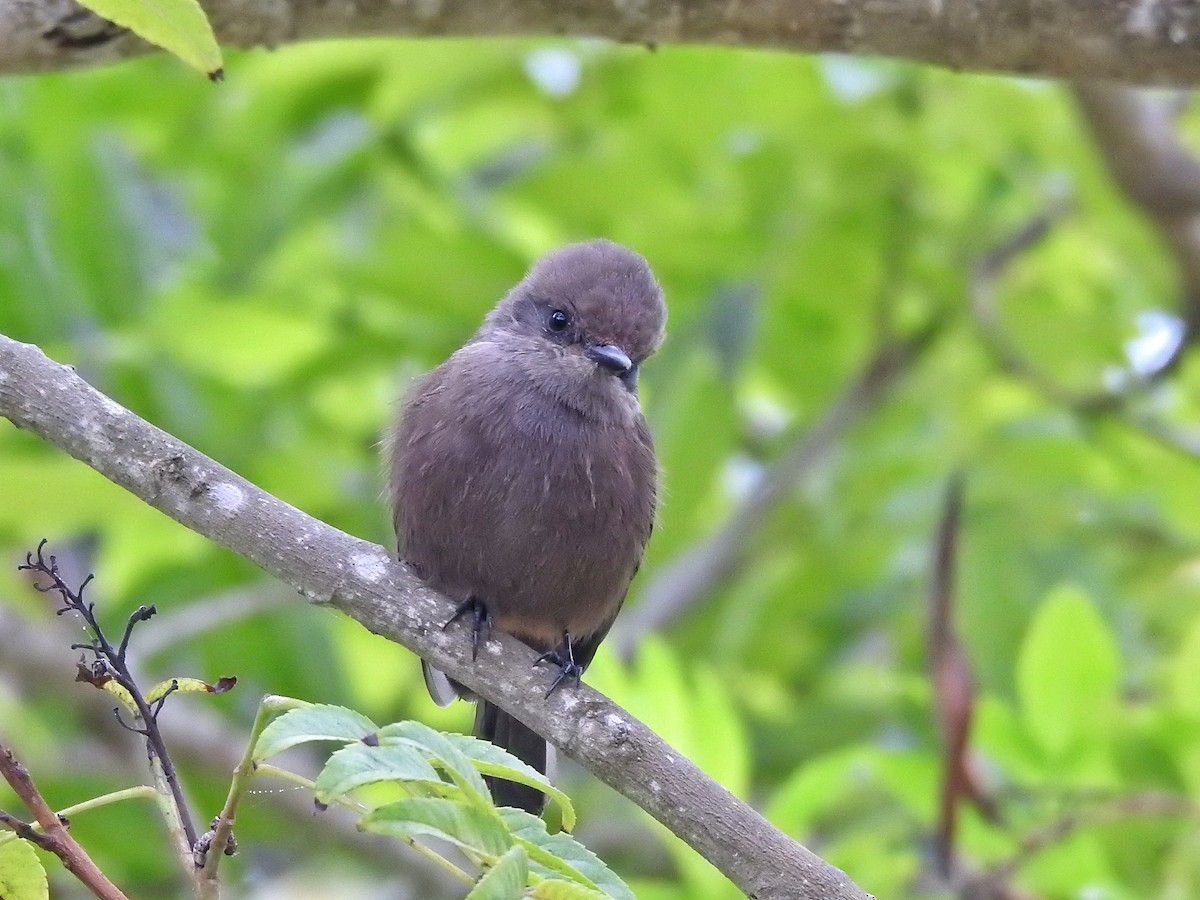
column 1146, row 41
column 1135, row 132
column 698, row 571
column 363, row 580
column 1117, row 405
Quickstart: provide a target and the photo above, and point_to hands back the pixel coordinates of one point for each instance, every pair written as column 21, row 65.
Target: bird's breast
column 539, row 511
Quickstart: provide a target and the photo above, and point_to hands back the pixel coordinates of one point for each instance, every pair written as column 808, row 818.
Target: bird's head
column 583, row 320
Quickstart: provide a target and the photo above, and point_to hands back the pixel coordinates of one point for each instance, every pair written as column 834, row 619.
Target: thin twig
column 54, row 836
column 31, row 652
column 118, row 668
column 1140, row 805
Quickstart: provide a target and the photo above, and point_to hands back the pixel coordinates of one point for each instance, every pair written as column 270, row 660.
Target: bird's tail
column 495, row 725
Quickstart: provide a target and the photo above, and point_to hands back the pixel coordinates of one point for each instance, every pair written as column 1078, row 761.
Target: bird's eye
column 558, row 321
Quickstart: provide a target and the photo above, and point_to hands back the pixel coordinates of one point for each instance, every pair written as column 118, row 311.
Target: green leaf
column 224, row 341
column 444, row 753
column 21, row 874
column 556, row 889
column 1185, row 673
column 319, row 722
column 504, row 880
column 358, row 764
column 467, row 826
column 179, row 26
column 492, row 760
column 1067, row 672
column 560, row 855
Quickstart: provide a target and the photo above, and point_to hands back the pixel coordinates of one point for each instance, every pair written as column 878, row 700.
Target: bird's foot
column 564, row 658
column 481, row 622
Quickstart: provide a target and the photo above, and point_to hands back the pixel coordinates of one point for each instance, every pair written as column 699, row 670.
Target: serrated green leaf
column 443, row 752
column 560, row 855
column 467, row 826
column 179, row 26
column 495, row 761
column 1067, row 672
column 358, row 764
column 505, row 879
column 21, row 874
column 319, row 722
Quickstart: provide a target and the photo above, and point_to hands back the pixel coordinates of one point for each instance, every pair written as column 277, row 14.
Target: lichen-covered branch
column 1139, row 41
column 364, row 581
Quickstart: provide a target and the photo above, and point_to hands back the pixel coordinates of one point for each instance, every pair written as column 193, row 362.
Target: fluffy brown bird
column 523, row 476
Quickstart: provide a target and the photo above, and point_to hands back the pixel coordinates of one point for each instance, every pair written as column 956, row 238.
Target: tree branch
column 697, row 572
column 1140, row 41
column 54, row 836
column 1136, row 134
column 364, row 581
column 1116, row 405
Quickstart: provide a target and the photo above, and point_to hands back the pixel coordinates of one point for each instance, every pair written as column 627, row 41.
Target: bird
column 523, row 476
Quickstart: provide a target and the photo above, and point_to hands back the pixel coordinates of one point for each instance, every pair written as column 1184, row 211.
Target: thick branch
column 1140, row 41
column 363, row 580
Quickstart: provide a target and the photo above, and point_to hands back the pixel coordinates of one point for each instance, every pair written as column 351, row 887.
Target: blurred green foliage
column 259, row 268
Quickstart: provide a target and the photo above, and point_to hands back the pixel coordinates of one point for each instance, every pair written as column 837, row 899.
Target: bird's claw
column 481, row 622
column 564, row 658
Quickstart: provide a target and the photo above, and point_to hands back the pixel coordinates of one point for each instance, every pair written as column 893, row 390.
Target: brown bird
column 523, row 476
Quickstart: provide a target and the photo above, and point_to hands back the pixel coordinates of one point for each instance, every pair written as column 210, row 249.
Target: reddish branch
column 953, row 687
column 53, row 835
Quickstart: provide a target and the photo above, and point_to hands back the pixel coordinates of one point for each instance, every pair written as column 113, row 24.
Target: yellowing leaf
column 190, row 686
column 179, row 26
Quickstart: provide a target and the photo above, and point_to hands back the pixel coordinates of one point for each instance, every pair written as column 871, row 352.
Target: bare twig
column 364, row 580
column 115, row 666
column 53, row 835
column 695, row 573
column 1118, row 809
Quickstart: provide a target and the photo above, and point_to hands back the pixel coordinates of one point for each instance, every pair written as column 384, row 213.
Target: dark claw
column 481, row 622
column 564, row 658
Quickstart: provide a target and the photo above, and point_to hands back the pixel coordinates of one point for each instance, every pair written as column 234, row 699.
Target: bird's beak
column 610, row 357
